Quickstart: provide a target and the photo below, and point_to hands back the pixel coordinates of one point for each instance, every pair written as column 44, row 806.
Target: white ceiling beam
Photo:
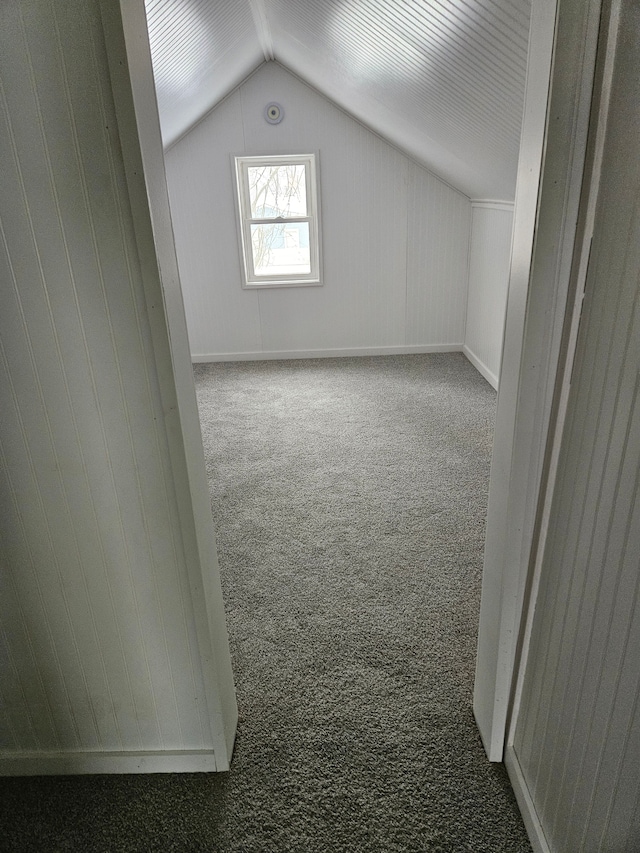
column 260, row 19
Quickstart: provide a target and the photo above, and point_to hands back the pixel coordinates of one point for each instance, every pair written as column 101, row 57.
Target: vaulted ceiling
column 441, row 79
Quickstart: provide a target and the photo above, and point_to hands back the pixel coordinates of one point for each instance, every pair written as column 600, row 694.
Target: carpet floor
column 349, row 497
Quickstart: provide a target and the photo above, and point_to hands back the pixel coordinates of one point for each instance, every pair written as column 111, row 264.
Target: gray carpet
column 349, row 497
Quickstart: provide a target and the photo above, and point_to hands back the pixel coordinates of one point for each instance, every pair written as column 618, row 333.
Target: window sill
column 296, row 283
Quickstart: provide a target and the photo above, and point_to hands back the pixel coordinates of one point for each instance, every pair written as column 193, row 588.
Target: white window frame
column 250, row 279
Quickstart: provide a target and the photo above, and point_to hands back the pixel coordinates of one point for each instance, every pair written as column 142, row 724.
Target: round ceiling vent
column 273, row 113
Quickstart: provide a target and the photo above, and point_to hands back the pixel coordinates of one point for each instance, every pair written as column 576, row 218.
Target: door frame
column 560, row 78
column 559, row 83
column 129, row 58
column 609, row 31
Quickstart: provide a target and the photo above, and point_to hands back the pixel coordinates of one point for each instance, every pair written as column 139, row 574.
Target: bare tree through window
column 275, row 191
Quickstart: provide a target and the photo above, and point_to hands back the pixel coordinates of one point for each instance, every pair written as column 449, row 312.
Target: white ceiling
column 441, row 79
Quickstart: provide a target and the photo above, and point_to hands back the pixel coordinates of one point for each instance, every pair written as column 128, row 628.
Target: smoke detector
column 273, row 113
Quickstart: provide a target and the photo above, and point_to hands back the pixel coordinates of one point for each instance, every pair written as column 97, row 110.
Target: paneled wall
column 394, row 237
column 489, row 260
column 577, row 737
column 202, row 49
column 98, row 647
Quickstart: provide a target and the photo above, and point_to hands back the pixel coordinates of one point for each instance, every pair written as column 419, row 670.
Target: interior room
column 318, row 443
column 406, row 303
column 416, row 189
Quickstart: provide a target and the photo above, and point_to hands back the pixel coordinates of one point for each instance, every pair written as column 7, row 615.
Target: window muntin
column 278, row 220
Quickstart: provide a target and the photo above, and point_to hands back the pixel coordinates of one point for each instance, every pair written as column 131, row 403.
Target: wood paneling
column 201, row 50
column 394, row 237
column 201, row 189
column 489, row 260
column 443, row 81
column 98, row 640
column 437, row 260
column 577, row 737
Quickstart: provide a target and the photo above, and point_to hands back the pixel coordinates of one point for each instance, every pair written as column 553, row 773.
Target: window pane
column 277, row 191
column 281, row 249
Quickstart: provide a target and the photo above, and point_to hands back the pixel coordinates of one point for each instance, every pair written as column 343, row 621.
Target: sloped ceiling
column 441, row 79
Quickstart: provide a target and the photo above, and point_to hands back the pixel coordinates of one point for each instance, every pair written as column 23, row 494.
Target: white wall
column 395, row 238
column 101, row 655
column 489, row 259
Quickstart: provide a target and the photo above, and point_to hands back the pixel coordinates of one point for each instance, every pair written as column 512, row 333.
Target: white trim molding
column 77, row 763
column 249, row 219
column 525, row 803
column 562, row 54
column 261, row 21
column 201, row 358
column 481, row 367
column 493, row 204
column 131, row 71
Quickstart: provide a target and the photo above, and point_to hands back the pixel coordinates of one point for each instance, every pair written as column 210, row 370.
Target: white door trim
column 562, row 51
column 549, row 181
column 133, row 88
column 593, row 170
column 95, row 761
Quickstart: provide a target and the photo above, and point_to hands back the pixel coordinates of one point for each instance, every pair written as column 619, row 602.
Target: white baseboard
column 527, row 808
column 71, row 763
column 481, row 367
column 324, row 353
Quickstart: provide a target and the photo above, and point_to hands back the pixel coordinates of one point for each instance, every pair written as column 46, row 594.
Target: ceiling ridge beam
column 259, row 14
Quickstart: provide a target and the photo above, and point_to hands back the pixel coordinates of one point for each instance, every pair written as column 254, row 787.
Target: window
column 277, row 203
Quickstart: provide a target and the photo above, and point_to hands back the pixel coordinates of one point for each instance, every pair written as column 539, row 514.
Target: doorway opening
column 511, row 393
